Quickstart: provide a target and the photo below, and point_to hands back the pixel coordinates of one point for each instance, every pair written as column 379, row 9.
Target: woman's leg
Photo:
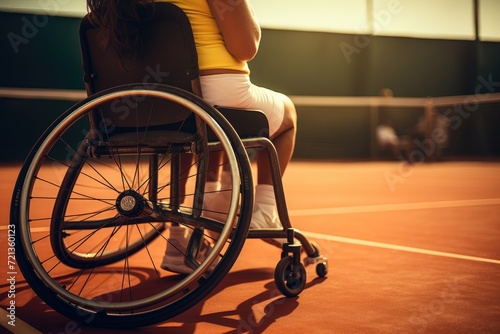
column 284, row 142
column 264, row 213
column 237, row 91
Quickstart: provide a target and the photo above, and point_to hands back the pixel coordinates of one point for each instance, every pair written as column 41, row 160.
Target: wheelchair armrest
column 247, row 123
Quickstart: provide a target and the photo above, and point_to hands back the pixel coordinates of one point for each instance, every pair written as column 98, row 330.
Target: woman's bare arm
column 238, row 25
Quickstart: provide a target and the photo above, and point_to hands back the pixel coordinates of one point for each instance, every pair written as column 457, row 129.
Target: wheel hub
column 129, row 203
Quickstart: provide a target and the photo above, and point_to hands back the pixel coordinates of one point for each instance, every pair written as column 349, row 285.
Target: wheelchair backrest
column 169, row 57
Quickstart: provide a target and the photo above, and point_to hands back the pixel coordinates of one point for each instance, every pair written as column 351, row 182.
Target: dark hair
column 121, row 21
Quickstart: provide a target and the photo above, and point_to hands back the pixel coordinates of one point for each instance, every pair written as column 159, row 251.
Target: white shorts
column 236, row 91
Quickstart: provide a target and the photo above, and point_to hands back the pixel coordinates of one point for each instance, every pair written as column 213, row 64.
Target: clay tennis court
column 412, row 249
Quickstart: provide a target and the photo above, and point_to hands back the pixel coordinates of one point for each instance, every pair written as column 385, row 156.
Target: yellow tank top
column 212, row 52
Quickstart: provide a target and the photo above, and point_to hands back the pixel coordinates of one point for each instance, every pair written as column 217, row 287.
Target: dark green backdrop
column 42, row 52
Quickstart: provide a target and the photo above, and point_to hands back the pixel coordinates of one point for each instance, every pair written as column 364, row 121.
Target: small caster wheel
column 322, row 269
column 290, row 279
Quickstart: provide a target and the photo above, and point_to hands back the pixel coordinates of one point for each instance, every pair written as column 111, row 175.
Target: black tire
column 322, row 269
column 290, row 279
column 132, row 291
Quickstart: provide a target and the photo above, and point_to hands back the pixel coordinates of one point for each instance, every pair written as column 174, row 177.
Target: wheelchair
column 99, row 194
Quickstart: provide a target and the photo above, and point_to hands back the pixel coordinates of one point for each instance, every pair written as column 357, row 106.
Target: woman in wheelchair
column 157, row 153
column 227, row 36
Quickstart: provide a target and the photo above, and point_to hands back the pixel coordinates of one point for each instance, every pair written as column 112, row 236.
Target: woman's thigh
column 236, row 90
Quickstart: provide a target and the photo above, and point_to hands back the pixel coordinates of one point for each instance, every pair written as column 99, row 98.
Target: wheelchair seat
column 109, row 183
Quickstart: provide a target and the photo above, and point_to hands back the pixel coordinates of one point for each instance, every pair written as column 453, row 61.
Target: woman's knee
column 289, row 118
column 290, row 112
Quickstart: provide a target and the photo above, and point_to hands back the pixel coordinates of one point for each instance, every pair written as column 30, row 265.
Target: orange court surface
column 411, row 249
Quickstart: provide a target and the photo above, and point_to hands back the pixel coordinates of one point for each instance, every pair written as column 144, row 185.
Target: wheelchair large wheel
column 94, row 210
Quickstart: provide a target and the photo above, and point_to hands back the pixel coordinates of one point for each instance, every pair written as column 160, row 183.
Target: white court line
column 394, row 207
column 20, row 328
column 398, row 247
